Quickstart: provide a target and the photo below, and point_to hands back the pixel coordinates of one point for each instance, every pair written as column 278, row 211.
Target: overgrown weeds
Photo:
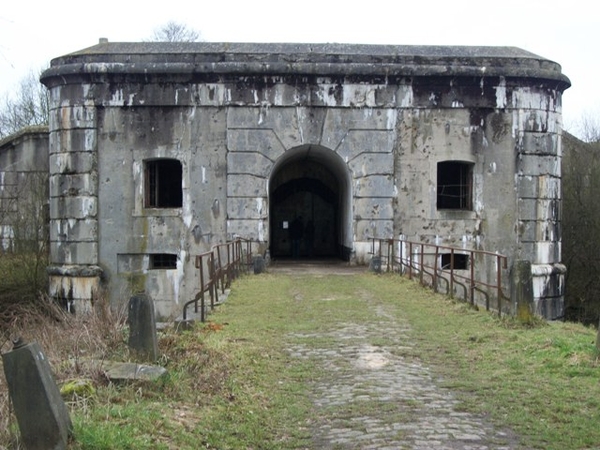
column 75, row 346
column 24, row 280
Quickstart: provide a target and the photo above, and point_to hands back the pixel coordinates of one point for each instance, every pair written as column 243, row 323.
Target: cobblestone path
column 372, row 397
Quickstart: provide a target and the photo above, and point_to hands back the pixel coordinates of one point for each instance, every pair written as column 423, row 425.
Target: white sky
column 568, row 32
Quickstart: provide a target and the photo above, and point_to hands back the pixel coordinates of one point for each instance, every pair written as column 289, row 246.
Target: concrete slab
column 127, row 371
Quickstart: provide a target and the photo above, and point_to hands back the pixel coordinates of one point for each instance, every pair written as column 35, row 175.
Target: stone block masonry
column 453, row 145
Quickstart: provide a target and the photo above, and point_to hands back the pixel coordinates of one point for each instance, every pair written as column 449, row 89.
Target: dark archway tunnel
column 307, row 193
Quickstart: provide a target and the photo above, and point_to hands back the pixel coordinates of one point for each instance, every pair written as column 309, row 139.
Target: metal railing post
column 435, row 273
column 410, row 260
column 452, row 273
column 471, row 284
column 421, row 263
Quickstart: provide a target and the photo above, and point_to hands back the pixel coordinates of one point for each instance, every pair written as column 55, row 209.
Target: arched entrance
column 309, row 205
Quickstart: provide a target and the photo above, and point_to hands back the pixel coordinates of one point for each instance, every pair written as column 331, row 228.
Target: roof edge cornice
column 303, row 59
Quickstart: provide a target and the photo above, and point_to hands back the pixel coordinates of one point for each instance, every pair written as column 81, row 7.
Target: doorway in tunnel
column 308, row 194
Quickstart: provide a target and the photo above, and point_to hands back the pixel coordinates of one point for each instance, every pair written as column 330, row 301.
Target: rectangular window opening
column 163, row 183
column 163, row 261
column 456, row 261
column 454, row 185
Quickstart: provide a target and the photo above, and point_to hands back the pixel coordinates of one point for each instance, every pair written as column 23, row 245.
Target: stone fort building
column 160, row 150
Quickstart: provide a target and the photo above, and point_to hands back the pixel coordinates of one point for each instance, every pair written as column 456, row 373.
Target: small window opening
column 454, row 185
column 459, row 262
column 163, row 261
column 163, row 184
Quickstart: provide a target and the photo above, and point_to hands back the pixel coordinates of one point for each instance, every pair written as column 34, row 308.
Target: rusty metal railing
column 246, row 251
column 217, row 269
column 478, row 277
column 205, row 263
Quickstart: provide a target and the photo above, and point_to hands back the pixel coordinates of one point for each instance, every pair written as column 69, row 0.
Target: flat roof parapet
column 304, row 59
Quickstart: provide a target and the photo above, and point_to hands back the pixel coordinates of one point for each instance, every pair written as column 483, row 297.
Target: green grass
column 233, row 384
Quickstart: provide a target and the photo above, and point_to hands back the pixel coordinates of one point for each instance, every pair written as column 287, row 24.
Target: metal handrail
column 217, row 269
column 419, row 259
column 207, row 284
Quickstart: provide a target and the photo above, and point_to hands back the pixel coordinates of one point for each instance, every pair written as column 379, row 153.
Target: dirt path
column 370, row 396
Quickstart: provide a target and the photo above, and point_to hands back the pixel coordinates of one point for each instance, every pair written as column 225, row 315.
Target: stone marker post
column 522, row 290
column 375, row 264
column 142, row 327
column 258, row 262
column 41, row 413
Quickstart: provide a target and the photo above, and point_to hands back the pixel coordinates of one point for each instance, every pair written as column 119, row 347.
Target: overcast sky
column 567, row 32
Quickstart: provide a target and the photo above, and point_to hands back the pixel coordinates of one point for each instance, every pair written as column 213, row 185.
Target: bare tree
column 588, row 127
column 27, row 106
column 24, row 244
column 175, row 32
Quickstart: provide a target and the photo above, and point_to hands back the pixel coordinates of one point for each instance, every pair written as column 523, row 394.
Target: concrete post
column 41, row 413
column 142, row 327
column 375, row 264
column 258, row 263
column 522, row 290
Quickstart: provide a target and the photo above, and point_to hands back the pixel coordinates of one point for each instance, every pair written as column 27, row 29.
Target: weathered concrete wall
column 131, row 135
column 361, row 129
column 23, row 188
column 514, row 145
